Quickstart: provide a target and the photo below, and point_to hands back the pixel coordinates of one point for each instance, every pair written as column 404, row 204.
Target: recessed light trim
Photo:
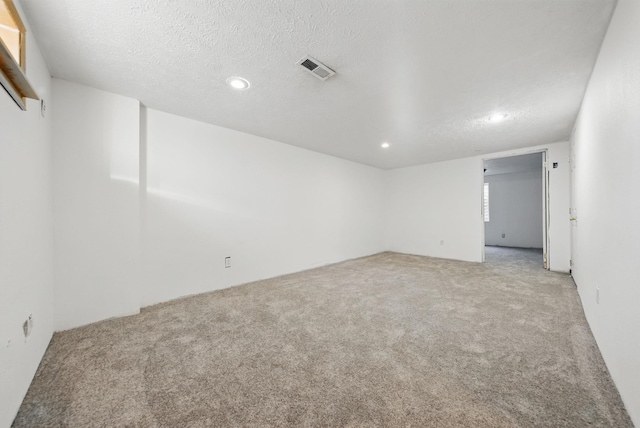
column 238, row 83
column 385, row 145
column 497, row 117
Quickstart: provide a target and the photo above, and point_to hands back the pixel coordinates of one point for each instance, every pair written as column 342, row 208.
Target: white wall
column 442, row 201
column 95, row 164
column 606, row 146
column 515, row 209
column 206, row 193
column 274, row 208
column 26, row 258
column 436, row 202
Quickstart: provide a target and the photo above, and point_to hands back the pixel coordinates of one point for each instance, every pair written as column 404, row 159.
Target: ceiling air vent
column 316, row 68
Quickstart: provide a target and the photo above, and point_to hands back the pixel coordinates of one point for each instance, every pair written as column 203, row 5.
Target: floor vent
column 316, row 68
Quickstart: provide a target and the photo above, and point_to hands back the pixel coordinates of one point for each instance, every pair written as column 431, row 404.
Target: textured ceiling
column 422, row 75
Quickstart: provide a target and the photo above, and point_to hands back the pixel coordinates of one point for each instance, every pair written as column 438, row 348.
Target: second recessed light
column 497, row 117
column 238, row 83
column 384, row 145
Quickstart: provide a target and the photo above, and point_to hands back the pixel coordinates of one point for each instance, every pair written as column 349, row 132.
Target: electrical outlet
column 43, row 107
column 504, row 235
column 227, row 262
column 441, row 242
column 597, row 296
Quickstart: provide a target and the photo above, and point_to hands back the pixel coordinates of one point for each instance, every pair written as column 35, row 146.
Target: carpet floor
column 388, row 340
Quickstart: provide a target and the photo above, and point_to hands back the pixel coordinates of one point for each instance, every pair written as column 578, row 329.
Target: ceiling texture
column 421, row 75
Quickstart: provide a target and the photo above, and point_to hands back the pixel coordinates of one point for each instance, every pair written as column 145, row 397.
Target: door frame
column 545, row 200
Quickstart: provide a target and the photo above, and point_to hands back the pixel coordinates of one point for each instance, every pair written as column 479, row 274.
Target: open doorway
column 515, row 208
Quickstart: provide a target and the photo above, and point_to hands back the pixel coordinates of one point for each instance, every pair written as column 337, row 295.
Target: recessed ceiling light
column 384, row 145
column 497, row 117
column 238, row 83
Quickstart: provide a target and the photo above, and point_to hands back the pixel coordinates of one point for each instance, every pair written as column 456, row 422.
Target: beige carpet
column 389, row 340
